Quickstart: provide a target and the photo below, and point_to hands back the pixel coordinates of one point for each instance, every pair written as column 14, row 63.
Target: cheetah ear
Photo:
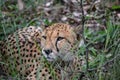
column 43, row 26
column 78, row 31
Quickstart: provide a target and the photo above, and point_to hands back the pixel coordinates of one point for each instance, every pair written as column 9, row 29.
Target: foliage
column 102, row 46
column 104, row 62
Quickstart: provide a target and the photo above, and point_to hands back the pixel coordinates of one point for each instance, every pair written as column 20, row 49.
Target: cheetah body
column 22, row 53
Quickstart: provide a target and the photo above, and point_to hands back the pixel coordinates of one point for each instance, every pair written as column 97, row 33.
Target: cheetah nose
column 48, row 51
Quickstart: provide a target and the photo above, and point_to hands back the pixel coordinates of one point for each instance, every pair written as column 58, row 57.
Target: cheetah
column 36, row 54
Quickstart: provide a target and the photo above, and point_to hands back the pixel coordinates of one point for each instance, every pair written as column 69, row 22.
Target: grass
column 109, row 39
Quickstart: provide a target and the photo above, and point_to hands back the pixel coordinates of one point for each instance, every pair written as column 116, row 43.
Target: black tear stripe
column 57, row 42
column 56, row 46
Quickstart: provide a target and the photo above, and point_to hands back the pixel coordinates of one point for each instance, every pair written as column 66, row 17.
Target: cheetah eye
column 44, row 37
column 60, row 38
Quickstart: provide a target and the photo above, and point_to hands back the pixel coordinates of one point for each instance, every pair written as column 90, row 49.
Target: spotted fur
column 23, row 53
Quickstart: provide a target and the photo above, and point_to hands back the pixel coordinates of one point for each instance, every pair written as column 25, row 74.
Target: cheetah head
column 57, row 42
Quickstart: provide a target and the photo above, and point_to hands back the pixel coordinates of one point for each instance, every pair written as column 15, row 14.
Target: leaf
column 115, row 7
column 93, row 50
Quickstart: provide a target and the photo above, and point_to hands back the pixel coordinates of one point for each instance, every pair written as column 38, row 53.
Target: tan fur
column 52, row 33
column 21, row 52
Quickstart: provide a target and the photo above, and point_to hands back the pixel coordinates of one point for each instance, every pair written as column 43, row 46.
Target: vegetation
column 101, row 32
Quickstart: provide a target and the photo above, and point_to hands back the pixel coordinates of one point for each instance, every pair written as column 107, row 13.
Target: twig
column 83, row 21
column 110, row 61
column 76, row 71
column 105, row 64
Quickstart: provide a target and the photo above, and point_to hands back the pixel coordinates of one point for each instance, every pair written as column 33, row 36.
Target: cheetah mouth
column 49, row 58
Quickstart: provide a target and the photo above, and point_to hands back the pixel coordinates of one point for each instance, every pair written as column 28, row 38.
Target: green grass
column 110, row 40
